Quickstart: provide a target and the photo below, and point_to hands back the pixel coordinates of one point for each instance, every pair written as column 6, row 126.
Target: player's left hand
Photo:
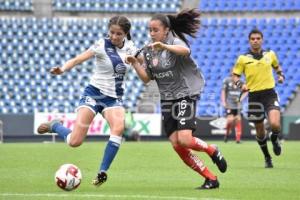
column 280, row 79
column 130, row 60
column 158, row 45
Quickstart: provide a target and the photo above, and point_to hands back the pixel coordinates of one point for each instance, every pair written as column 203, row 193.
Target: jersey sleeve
column 224, row 85
column 275, row 62
column 132, row 49
column 239, row 66
column 177, row 41
column 149, row 73
column 98, row 47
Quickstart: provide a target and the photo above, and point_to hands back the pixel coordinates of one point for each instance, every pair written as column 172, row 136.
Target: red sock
column 199, row 145
column 228, row 128
column 238, row 131
column 194, row 162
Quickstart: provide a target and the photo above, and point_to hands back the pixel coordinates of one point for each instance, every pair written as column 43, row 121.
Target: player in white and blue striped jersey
column 103, row 94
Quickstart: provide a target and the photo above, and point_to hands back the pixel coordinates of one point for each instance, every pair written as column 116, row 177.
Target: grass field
column 147, row 170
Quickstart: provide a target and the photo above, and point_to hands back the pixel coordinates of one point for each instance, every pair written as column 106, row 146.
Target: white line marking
column 28, row 195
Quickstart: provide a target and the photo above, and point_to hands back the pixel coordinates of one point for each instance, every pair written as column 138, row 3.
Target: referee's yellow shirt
column 257, row 69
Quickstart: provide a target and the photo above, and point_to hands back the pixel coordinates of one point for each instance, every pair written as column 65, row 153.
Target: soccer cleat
column 225, row 138
column 47, row 126
column 276, row 147
column 268, row 162
column 209, row 184
column 100, row 179
column 219, row 160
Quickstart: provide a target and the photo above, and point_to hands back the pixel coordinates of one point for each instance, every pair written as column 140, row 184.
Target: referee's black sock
column 263, row 146
column 274, row 135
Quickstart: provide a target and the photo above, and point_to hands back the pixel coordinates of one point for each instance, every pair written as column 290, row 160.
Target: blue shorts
column 96, row 101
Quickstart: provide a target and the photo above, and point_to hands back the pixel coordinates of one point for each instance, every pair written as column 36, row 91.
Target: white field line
column 30, row 195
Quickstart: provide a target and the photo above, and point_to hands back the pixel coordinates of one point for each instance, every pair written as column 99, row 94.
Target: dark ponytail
column 185, row 22
column 123, row 22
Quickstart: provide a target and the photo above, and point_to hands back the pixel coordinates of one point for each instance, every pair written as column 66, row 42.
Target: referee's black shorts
column 178, row 114
column 260, row 103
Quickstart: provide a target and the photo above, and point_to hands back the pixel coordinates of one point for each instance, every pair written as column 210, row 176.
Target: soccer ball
column 68, row 177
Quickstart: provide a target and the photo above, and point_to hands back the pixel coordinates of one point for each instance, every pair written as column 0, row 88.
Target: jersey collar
column 256, row 56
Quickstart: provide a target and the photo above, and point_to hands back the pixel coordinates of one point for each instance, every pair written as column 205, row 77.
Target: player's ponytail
column 185, row 22
column 123, row 22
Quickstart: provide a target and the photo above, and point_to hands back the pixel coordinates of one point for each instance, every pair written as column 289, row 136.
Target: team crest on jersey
column 155, row 62
column 120, row 68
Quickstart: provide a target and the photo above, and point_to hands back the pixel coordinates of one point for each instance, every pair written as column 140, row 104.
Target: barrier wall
column 21, row 127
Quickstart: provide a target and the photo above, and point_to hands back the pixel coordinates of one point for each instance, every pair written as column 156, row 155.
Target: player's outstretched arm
column 177, row 49
column 140, row 70
column 72, row 63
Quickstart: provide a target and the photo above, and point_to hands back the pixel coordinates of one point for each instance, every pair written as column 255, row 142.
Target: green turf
column 147, row 170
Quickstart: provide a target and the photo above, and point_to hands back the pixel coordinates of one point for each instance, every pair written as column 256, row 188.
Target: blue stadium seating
column 134, row 6
column 220, row 41
column 30, row 46
column 245, row 5
column 16, row 5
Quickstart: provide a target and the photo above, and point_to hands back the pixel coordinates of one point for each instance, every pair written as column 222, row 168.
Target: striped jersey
column 110, row 68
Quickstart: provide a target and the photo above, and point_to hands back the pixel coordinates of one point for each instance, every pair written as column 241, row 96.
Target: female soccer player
column 103, row 94
column 167, row 60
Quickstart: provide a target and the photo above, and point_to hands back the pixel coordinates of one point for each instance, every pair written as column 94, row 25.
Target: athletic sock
column 274, row 135
column 194, row 162
column 263, row 146
column 238, row 131
column 228, row 129
column 199, row 145
column 110, row 152
column 62, row 131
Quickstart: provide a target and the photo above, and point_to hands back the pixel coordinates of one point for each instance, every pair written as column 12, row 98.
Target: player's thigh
column 185, row 137
column 115, row 117
column 230, row 118
column 173, row 137
column 84, row 118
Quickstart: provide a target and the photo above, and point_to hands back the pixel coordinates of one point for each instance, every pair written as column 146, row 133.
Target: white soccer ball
column 68, row 177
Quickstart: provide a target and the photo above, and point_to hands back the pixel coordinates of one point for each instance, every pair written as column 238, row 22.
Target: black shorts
column 178, row 114
column 233, row 112
column 260, row 103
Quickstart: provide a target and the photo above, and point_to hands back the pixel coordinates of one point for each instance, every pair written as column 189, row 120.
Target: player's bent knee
column 74, row 142
column 183, row 142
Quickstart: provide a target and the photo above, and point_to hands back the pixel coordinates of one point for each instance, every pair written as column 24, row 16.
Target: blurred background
column 39, row 34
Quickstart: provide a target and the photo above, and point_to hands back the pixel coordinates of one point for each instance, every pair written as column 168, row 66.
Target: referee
column 257, row 65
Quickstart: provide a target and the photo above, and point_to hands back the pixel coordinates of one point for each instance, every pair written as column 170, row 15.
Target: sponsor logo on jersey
column 163, row 74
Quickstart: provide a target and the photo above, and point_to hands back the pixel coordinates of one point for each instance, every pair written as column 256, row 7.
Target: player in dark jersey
column 231, row 97
column 258, row 65
column 167, row 60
